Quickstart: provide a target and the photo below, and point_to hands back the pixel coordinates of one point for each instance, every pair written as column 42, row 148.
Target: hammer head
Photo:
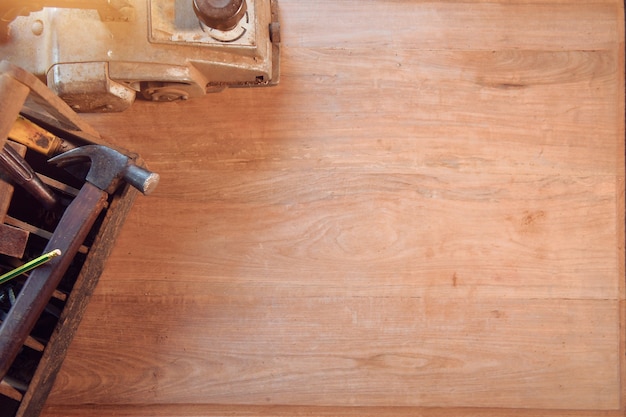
column 108, row 168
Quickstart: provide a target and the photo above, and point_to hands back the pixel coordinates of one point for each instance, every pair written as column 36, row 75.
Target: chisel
column 37, row 138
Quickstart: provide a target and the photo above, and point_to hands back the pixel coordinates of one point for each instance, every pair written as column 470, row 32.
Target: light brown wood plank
column 327, row 233
column 203, row 410
column 360, row 351
column 426, row 112
column 426, row 217
column 473, row 25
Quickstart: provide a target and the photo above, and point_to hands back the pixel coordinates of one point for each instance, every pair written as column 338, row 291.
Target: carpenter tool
column 16, row 167
column 37, row 138
column 40, row 260
column 107, row 170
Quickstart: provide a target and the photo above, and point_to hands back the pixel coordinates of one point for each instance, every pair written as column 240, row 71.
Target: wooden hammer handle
column 68, row 236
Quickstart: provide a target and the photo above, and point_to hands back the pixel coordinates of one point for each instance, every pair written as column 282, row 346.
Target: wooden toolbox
column 25, row 229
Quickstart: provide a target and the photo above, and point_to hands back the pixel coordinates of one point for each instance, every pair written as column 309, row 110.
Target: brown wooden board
column 426, row 217
column 12, row 239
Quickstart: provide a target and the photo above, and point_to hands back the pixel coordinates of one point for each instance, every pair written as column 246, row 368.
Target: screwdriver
column 12, row 163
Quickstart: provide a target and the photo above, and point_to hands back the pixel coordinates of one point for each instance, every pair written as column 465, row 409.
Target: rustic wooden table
column 425, row 217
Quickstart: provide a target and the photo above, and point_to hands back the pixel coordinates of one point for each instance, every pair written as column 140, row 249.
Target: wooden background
column 427, row 212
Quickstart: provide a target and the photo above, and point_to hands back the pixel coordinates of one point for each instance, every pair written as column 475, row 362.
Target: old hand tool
column 37, row 138
column 12, row 164
column 108, row 168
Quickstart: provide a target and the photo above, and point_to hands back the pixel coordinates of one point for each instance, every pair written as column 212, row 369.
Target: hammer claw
column 71, row 157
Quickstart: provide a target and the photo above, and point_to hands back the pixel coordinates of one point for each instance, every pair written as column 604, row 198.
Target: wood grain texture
column 425, row 217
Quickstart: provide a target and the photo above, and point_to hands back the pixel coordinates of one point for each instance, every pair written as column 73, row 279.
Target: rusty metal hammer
column 108, row 169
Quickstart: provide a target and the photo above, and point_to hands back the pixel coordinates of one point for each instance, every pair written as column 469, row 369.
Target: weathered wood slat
column 10, row 392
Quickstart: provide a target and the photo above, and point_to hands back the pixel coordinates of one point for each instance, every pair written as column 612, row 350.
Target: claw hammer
column 108, row 169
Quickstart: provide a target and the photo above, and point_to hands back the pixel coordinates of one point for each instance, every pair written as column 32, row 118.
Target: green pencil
column 29, row 265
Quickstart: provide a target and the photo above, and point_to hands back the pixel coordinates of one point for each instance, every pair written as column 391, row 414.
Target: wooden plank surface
column 426, row 216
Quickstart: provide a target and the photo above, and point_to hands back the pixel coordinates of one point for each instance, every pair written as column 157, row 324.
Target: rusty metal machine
column 99, row 55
